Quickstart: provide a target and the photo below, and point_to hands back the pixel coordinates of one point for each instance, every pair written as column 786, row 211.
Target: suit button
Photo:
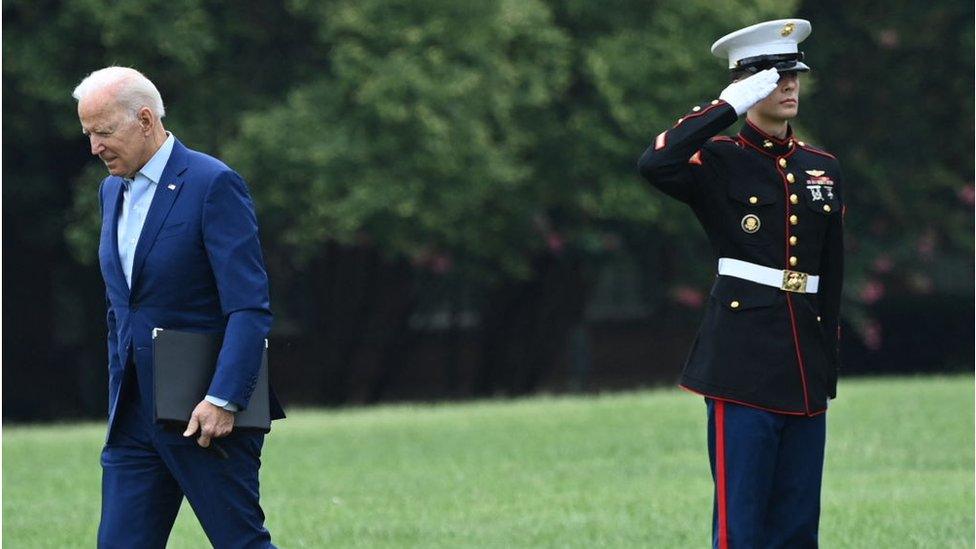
column 714, row 101
column 753, row 200
column 794, row 199
column 790, row 178
column 793, row 241
column 696, row 108
column 734, row 304
column 794, row 220
column 800, row 143
column 827, row 208
column 782, row 162
column 793, row 261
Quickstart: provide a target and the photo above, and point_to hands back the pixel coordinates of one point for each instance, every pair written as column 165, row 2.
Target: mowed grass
column 617, row 470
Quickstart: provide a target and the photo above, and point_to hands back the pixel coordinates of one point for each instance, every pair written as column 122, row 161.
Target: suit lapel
column 167, row 190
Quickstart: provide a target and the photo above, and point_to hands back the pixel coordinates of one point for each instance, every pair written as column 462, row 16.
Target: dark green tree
column 462, row 171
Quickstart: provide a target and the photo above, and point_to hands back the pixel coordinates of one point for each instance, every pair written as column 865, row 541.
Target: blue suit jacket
column 197, row 267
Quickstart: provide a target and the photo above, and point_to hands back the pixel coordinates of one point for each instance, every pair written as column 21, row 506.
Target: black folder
column 183, row 367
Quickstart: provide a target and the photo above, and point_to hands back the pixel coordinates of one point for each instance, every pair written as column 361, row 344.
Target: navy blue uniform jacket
column 197, row 267
column 773, row 202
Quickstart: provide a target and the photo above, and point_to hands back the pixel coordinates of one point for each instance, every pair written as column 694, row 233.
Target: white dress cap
column 769, row 38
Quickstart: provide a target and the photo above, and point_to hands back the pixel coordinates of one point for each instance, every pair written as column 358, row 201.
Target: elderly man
column 766, row 356
column 179, row 249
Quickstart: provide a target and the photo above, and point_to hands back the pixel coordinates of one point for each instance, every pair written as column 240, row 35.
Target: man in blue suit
column 179, row 249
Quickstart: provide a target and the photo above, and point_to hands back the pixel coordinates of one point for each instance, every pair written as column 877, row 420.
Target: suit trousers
column 767, row 469
column 147, row 469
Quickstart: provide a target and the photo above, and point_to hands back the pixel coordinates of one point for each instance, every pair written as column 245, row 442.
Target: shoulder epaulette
column 814, row 150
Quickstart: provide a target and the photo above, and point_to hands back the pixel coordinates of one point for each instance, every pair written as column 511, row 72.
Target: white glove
column 743, row 94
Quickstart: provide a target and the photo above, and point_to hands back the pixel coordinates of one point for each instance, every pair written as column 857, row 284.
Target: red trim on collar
column 772, row 145
column 773, row 138
column 788, row 154
column 748, row 143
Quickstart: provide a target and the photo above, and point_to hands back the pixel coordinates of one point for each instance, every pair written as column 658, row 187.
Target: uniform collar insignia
column 766, row 143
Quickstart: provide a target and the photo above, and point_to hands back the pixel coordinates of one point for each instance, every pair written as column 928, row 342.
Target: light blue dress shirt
column 137, row 196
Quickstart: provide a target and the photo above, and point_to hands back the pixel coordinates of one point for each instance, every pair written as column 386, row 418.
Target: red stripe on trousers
column 723, row 520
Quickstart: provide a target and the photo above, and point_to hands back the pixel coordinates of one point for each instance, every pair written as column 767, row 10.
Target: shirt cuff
column 225, row 404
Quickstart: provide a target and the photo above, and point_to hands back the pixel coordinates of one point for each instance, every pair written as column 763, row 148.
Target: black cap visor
column 782, row 62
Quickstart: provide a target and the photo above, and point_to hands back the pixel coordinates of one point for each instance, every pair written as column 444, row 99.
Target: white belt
column 790, row 281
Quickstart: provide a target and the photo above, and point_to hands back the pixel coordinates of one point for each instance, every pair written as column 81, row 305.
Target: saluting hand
column 743, row 94
column 212, row 421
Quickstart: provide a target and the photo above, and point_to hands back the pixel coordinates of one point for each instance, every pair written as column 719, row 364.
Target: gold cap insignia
column 787, row 30
column 767, row 144
column 750, row 223
column 816, row 173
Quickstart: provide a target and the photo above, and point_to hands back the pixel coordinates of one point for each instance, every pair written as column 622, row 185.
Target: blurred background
column 447, row 191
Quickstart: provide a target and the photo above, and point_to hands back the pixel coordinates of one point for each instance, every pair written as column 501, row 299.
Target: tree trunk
column 526, row 326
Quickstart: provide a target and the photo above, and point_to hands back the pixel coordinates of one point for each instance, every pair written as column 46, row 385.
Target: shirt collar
column 768, row 144
column 153, row 170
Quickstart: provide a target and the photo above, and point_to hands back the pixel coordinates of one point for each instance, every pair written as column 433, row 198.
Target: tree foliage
column 413, row 134
column 895, row 102
column 412, row 156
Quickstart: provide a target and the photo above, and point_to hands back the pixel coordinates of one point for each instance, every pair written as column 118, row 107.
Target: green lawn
column 620, row 470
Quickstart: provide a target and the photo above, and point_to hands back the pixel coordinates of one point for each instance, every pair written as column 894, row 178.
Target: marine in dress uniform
column 766, row 355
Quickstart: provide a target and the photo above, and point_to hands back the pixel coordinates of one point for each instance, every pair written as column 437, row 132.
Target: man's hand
column 743, row 94
column 212, row 421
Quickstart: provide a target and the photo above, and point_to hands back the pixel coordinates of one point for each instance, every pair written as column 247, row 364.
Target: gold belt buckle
column 794, row 281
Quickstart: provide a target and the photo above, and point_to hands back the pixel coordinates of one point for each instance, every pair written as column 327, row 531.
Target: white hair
column 133, row 90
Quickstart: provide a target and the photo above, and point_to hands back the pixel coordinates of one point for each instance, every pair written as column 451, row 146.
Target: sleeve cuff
column 225, row 404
